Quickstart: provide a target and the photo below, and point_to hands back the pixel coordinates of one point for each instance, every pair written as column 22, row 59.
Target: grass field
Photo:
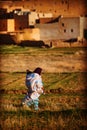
column 14, row 49
column 63, row 107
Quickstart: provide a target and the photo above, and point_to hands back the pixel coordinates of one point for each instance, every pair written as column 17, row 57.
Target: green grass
column 63, row 88
column 64, row 80
column 16, row 81
column 14, row 49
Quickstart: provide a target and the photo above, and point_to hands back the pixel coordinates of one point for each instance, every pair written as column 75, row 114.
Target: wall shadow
column 6, row 39
column 30, row 43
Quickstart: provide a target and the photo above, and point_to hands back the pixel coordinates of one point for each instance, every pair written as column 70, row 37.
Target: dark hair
column 38, row 70
column 28, row 72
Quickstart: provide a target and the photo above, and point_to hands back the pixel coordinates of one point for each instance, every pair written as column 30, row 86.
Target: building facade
column 44, row 20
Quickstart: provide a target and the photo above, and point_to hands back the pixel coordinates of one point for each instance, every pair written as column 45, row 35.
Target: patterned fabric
column 35, row 89
column 28, row 101
column 34, row 85
column 34, row 102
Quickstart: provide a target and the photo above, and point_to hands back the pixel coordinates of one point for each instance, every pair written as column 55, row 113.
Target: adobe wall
column 21, row 22
column 66, row 28
column 64, row 7
column 10, row 25
column 3, row 24
column 59, row 43
column 69, row 28
column 83, row 26
column 27, row 34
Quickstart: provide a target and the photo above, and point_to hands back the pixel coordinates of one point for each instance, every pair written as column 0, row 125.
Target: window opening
column 64, row 30
column 63, row 24
column 71, row 30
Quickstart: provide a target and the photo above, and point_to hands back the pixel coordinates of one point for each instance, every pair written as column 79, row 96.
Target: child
column 35, row 88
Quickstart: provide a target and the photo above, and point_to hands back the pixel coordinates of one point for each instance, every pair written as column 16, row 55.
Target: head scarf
column 38, row 70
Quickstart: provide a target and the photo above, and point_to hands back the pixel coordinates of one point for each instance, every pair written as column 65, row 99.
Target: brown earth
column 55, row 91
column 50, row 63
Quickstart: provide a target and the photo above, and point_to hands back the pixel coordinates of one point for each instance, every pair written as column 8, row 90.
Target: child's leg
column 26, row 100
column 36, row 102
column 29, row 102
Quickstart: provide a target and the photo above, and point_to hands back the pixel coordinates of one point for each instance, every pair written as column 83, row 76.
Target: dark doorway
column 85, row 33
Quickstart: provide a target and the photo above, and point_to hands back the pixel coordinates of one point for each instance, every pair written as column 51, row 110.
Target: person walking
column 35, row 88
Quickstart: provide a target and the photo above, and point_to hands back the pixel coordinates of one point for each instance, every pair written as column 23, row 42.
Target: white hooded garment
column 34, row 85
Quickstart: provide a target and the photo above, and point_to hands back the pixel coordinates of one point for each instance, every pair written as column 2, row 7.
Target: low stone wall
column 59, row 43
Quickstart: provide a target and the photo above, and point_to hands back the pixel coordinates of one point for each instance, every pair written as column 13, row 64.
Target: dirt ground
column 55, row 62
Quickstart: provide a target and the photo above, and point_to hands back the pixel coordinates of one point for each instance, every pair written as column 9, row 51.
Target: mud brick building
column 54, row 19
